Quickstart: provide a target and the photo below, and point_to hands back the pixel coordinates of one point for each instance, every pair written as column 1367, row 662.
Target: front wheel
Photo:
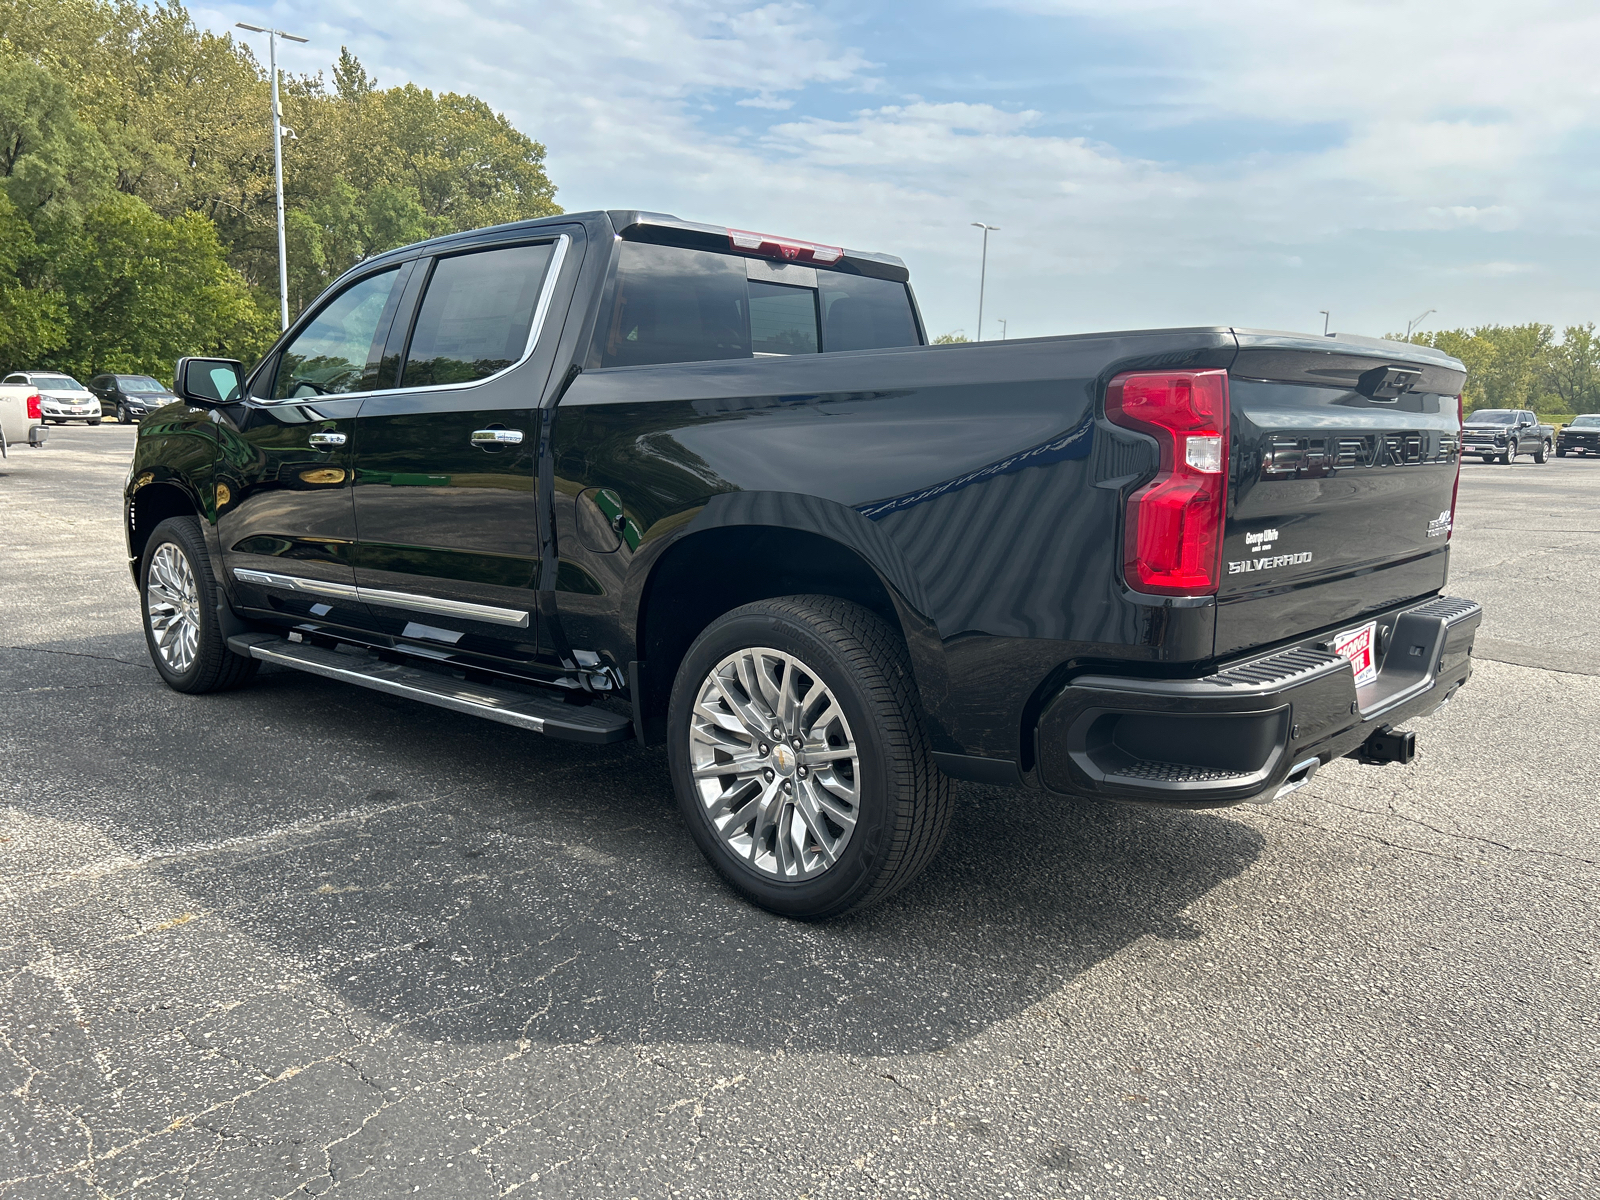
column 122, row 414
column 180, row 613
column 92, row 421
column 1561, row 453
column 799, row 761
column 1509, row 456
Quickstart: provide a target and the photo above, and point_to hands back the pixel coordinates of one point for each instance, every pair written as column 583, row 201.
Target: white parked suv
column 61, row 397
column 21, row 416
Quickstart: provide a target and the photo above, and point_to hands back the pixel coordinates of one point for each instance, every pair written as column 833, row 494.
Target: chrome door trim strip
column 450, row 608
column 428, row 604
column 296, row 583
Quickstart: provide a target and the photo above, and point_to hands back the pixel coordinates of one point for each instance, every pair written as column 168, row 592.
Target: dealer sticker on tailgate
column 1359, row 646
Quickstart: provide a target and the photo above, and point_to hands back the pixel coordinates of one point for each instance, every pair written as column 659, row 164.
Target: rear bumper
column 1253, row 728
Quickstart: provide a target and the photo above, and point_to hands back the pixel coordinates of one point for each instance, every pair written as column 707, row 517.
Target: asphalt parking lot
column 305, row 939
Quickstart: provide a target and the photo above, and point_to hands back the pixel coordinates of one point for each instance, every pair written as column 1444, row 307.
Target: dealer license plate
column 1360, row 648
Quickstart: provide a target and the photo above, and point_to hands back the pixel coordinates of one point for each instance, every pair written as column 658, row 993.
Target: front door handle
column 327, row 439
column 496, row 437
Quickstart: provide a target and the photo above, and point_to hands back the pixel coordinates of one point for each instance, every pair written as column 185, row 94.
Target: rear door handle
column 327, row 439
column 496, row 437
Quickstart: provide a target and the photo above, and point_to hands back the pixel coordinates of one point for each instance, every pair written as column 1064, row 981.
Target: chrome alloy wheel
column 775, row 764
column 172, row 598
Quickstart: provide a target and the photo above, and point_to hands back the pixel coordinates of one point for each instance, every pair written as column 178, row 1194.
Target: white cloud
column 1457, row 123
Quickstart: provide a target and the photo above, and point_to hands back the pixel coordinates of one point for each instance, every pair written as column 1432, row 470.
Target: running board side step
column 553, row 718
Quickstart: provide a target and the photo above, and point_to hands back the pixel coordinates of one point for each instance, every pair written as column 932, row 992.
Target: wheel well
column 710, row 573
column 153, row 504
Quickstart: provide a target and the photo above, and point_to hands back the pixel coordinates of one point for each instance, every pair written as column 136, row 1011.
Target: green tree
column 33, row 322
column 141, row 292
column 946, row 339
column 1505, row 363
column 1572, row 369
column 48, row 157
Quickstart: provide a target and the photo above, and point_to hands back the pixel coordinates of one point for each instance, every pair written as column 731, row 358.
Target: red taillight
column 33, row 409
column 788, row 249
column 1172, row 541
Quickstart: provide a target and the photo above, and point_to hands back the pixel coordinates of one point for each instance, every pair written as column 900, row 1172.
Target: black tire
column 122, row 414
column 1488, row 458
column 1541, row 452
column 1509, row 456
column 1561, row 453
column 214, row 668
column 92, row 421
column 903, row 799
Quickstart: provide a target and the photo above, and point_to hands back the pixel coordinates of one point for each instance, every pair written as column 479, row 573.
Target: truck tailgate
column 1342, row 482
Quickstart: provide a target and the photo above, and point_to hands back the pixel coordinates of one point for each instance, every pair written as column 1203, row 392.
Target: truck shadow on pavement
column 477, row 885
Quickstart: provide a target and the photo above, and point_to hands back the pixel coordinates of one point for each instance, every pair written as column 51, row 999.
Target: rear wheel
column 180, row 613
column 799, row 762
column 1541, row 452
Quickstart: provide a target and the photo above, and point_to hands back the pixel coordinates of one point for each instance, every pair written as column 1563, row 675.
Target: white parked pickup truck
column 21, row 413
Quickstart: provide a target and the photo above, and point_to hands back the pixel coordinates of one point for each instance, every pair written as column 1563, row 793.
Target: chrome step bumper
column 554, row 719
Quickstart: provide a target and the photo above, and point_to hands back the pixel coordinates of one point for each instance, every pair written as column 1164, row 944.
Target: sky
column 1149, row 163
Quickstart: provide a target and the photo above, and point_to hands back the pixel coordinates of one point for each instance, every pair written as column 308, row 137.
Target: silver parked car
column 61, row 397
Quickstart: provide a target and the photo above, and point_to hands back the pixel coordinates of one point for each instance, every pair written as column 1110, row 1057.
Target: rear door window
column 476, row 315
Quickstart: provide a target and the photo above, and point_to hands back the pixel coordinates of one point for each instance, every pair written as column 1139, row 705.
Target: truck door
column 446, row 469
column 284, row 514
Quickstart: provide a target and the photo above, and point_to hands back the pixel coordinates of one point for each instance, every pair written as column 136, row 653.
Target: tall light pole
column 983, row 269
column 1002, row 321
column 1415, row 321
column 277, row 157
column 1325, row 320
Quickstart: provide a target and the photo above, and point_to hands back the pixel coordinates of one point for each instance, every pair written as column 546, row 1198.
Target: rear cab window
column 672, row 304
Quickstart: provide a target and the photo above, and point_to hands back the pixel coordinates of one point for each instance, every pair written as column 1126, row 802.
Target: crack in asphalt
column 80, row 654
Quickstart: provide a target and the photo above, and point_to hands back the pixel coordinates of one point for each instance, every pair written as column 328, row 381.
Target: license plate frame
column 1359, row 648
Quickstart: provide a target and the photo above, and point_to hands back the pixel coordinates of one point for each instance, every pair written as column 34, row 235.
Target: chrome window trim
column 541, row 310
column 411, row 600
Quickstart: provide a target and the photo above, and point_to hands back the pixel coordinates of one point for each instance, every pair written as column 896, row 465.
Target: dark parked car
column 1582, row 436
column 614, row 475
column 131, row 397
column 1504, row 433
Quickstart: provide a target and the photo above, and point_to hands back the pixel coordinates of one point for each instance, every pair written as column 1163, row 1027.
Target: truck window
column 859, row 313
column 338, row 351
column 476, row 315
column 676, row 305
column 783, row 319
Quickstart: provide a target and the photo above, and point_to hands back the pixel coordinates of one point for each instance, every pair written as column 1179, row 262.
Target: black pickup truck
column 614, row 475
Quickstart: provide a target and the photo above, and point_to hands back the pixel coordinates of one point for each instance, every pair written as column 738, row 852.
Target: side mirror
column 209, row 380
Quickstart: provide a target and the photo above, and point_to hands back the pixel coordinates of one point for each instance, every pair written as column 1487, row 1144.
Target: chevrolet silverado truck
column 618, row 476
column 1504, row 433
column 1582, row 435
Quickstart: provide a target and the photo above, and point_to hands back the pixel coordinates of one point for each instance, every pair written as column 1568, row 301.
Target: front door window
column 338, row 351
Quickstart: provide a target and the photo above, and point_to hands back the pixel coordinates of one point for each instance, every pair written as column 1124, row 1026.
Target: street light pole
column 277, row 158
column 1415, row 321
column 983, row 269
column 1325, row 319
column 1002, row 321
